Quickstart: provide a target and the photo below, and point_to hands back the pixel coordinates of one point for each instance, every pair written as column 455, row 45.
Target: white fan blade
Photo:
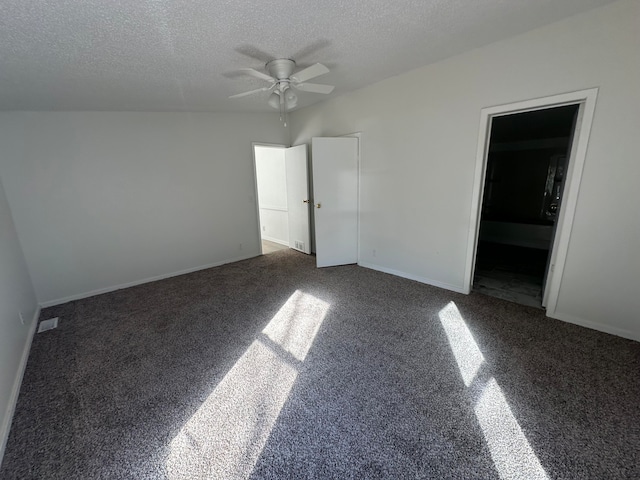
column 257, row 74
column 310, row 72
column 314, row 87
column 251, row 92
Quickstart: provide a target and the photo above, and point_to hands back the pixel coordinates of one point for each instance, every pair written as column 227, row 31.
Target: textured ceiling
column 184, row 55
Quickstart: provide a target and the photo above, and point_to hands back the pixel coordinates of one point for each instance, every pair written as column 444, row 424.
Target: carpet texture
column 271, row 368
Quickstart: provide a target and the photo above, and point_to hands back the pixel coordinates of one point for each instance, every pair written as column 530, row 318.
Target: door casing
column 586, row 100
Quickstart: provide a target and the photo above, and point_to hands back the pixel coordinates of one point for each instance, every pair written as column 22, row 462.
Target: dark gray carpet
column 207, row 375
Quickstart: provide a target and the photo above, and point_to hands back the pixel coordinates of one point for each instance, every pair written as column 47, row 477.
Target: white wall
column 271, row 177
column 102, row 199
column 419, row 139
column 16, row 297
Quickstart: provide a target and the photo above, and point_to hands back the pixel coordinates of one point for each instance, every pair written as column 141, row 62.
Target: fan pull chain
column 281, row 106
column 283, row 109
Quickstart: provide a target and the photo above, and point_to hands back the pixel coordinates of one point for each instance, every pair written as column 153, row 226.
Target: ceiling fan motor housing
column 281, row 68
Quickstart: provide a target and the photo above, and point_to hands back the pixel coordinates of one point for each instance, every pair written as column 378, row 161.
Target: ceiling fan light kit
column 274, row 100
column 290, row 98
column 284, row 81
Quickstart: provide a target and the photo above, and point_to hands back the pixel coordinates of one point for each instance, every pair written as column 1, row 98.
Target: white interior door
column 335, row 192
column 298, row 197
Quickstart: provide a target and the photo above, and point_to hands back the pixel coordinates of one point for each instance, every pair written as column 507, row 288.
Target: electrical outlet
column 374, row 252
column 264, row 228
column 240, row 246
column 21, row 318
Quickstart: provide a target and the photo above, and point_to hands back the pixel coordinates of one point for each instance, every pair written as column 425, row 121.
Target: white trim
column 569, row 202
column 587, row 100
column 268, row 145
column 620, row 332
column 275, row 240
column 17, row 383
column 410, row 276
column 100, row 291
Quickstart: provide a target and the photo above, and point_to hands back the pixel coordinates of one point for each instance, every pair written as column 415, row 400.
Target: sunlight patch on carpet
column 510, row 451
column 465, row 350
column 225, row 437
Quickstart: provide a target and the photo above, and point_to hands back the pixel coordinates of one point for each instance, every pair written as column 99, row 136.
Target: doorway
column 271, row 187
column 528, row 170
column 284, row 203
column 282, row 197
column 524, row 180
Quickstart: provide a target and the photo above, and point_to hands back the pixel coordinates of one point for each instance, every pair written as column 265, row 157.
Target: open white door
column 298, row 198
column 335, row 191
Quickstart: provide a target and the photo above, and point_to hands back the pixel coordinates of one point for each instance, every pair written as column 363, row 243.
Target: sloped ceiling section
column 185, row 55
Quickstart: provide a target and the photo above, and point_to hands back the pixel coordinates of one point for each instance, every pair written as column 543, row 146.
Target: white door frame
column 255, row 184
column 586, row 99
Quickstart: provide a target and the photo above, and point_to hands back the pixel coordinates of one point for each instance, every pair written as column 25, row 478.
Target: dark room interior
column 523, row 186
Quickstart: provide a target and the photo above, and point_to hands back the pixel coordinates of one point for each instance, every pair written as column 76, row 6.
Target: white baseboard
column 620, row 332
column 99, row 291
column 417, row 278
column 275, row 240
column 5, row 427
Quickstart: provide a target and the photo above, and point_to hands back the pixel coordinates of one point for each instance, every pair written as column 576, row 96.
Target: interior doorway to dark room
column 526, row 167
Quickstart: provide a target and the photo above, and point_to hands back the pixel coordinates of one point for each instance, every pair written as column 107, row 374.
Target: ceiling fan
column 284, row 81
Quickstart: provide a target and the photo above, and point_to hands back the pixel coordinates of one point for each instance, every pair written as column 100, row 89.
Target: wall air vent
column 48, row 325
